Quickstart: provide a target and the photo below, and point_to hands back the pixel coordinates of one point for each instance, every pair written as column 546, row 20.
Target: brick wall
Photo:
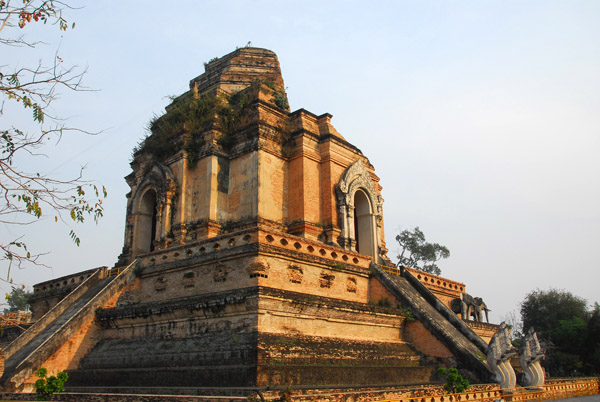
column 420, row 337
column 377, row 293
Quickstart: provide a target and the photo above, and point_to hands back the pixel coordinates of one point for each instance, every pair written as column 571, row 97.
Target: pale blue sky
column 481, row 119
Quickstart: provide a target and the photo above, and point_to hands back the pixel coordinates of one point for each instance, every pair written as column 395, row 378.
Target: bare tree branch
column 27, row 196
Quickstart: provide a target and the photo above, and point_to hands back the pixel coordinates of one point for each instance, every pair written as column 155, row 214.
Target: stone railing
column 70, row 280
column 197, row 249
column 483, row 326
column 271, row 238
column 313, row 248
column 437, row 282
column 569, row 387
column 554, row 389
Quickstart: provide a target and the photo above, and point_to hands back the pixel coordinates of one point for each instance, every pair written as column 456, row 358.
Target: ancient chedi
column 254, row 255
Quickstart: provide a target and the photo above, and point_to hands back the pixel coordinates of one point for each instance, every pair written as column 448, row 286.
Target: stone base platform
column 555, row 388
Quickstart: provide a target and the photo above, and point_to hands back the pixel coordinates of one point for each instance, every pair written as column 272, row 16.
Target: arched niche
column 145, row 223
column 360, row 215
column 364, row 225
column 151, row 209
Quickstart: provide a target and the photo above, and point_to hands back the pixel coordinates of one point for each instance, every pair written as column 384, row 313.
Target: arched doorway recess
column 364, row 227
column 146, row 223
column 360, row 216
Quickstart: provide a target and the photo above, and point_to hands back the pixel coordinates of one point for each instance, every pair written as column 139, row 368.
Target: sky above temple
column 482, row 120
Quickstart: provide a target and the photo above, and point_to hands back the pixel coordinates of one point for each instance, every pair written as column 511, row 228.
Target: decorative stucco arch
column 152, row 208
column 360, row 212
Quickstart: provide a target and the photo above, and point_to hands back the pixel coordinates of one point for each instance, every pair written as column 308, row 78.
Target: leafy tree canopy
column 18, row 299
column 543, row 310
column 570, row 331
column 418, row 253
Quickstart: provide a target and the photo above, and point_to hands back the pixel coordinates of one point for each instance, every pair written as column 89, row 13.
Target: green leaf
column 74, row 237
column 38, row 113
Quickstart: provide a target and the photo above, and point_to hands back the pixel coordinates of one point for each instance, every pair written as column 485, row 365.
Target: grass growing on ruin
column 191, row 115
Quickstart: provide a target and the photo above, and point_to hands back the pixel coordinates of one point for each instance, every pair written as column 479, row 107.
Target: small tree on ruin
column 18, row 299
column 418, row 253
column 46, row 386
column 455, row 383
column 26, row 195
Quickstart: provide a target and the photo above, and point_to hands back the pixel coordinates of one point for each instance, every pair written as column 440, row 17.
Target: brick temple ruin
column 254, row 255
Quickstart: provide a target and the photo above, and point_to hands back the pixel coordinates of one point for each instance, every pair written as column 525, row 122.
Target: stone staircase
column 30, row 350
column 457, row 336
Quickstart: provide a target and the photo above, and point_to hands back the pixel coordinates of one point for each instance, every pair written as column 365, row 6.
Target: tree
column 25, row 195
column 591, row 358
column 561, row 321
column 417, row 253
column 18, row 299
column 543, row 310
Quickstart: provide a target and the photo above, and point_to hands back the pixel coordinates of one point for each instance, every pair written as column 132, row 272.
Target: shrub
column 455, row 383
column 45, row 387
column 409, row 315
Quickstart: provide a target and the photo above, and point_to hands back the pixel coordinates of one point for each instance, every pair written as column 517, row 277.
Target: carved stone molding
column 326, row 279
column 295, row 273
column 160, row 178
column 258, row 267
column 354, row 177
column 357, row 177
column 160, row 283
column 351, row 285
column 221, row 272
